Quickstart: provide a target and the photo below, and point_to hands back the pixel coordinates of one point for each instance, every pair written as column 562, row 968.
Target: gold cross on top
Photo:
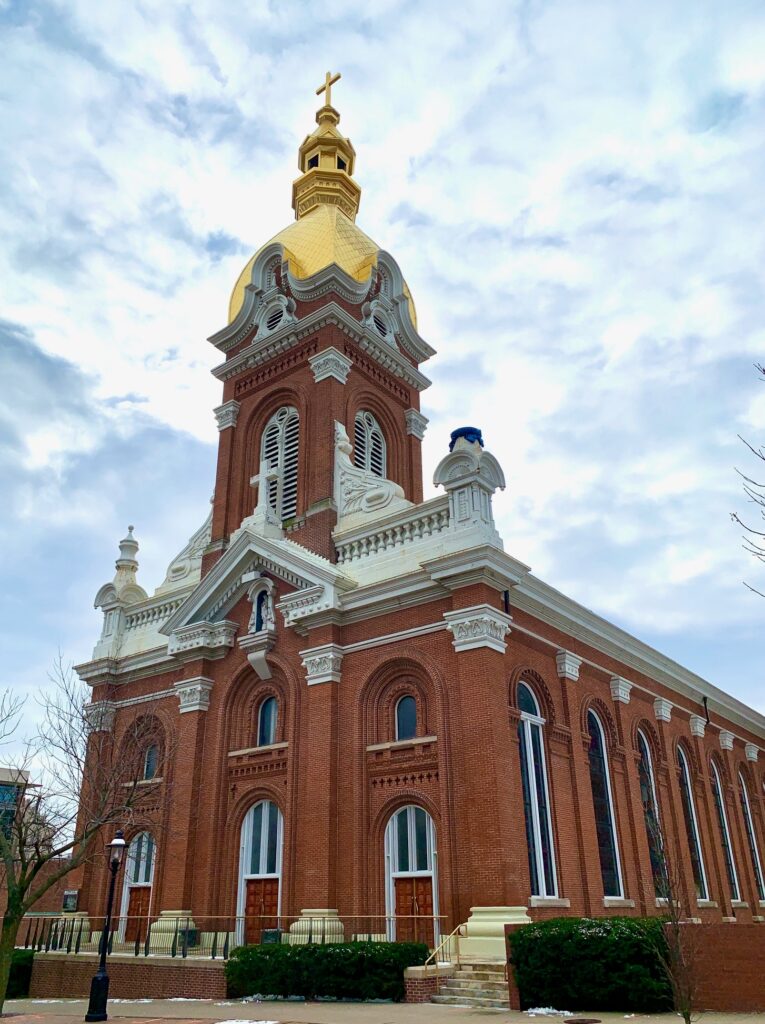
column 329, row 81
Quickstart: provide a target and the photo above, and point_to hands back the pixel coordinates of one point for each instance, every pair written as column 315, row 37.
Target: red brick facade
column 58, row 976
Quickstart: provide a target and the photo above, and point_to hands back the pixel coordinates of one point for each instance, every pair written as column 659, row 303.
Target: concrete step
column 485, row 1001
column 459, row 985
column 461, row 974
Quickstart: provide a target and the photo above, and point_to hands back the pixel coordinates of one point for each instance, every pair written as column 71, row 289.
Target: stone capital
column 481, row 625
column 226, row 414
column 193, row 694
column 620, row 690
column 416, row 423
column 751, row 752
column 99, row 717
column 322, row 664
column 662, row 709
column 568, row 665
column 331, row 362
column 698, row 725
column 726, row 739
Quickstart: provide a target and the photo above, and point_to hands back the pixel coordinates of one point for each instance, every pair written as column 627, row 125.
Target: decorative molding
column 470, row 476
column 662, row 709
column 481, row 625
column 322, row 664
column 330, row 362
column 193, row 694
column 358, row 490
column 395, row 530
column 393, row 638
column 751, row 752
column 227, row 414
column 568, row 665
column 416, row 423
column 99, row 717
column 202, row 640
column 726, row 739
column 620, row 690
column 698, row 725
column 256, row 646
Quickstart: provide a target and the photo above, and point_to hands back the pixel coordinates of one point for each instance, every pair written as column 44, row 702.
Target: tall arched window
column 369, row 444
column 536, row 801
column 136, row 887
column 150, row 761
column 279, row 446
column 411, row 891
column 602, row 799
column 651, row 817
column 406, row 718
column 260, row 870
column 267, row 722
column 692, row 827
column 746, row 810
column 722, row 818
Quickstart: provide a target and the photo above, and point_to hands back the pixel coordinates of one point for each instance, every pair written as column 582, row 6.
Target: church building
column 365, row 711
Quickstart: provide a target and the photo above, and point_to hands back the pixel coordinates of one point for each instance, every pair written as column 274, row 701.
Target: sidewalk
column 201, row 1011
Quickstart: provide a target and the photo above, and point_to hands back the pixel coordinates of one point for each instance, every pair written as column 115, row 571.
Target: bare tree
column 72, row 785
column 754, row 535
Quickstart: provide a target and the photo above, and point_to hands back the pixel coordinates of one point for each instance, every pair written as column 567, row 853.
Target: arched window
column 751, row 836
column 536, row 802
column 267, row 722
column 602, row 799
column 369, row 444
column 692, row 827
column 411, row 896
column 151, row 761
column 722, row 818
column 279, row 446
column 406, row 718
column 136, row 888
column 140, row 860
column 651, row 817
column 260, row 869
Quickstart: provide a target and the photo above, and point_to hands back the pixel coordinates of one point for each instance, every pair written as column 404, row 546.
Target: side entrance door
column 414, row 910
column 261, row 908
column 138, row 913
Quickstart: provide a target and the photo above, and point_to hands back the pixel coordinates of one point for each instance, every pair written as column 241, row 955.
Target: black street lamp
column 99, row 986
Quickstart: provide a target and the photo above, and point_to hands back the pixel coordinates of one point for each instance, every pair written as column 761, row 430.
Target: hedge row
column 592, row 964
column 21, row 974
column 349, row 970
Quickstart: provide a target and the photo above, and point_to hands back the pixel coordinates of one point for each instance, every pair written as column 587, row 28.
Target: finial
column 471, row 435
column 329, row 81
column 128, row 551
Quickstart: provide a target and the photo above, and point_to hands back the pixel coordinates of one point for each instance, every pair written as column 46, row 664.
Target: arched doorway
column 136, row 887
column 411, row 877
column 260, row 871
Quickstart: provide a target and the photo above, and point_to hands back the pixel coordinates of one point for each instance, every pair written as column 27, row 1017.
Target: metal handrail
column 433, row 958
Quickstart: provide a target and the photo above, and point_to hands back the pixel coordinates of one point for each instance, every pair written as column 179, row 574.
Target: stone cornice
column 261, row 351
column 127, row 669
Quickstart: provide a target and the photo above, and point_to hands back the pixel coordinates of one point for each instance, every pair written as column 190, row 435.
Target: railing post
column 79, row 938
column 71, row 936
column 174, row 947
column 111, row 941
column 147, row 944
column 185, row 943
column 225, row 944
column 214, row 949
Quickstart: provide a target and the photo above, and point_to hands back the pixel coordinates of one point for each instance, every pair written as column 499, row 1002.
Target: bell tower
column 321, row 375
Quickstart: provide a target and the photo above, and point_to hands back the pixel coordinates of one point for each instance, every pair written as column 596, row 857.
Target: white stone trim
column 698, row 725
column 392, row 638
column 617, row 901
column 726, row 739
column 202, row 639
column 751, row 751
column 322, row 664
column 193, row 694
column 662, row 709
column 620, row 690
column 99, row 717
column 416, row 423
column 549, row 901
column 480, row 625
column 226, row 415
column 568, row 665
column 415, row 741
column 330, row 362
column 259, row 750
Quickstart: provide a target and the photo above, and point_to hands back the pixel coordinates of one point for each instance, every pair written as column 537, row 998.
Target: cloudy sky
column 573, row 190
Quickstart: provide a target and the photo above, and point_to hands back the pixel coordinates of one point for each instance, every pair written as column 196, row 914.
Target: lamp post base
column 99, row 993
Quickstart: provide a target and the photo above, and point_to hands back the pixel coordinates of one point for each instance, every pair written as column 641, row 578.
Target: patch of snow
column 131, row 1000
column 548, row 1011
column 248, row 1022
column 50, row 1000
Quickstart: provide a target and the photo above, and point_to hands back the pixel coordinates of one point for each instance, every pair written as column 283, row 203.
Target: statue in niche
column 262, row 618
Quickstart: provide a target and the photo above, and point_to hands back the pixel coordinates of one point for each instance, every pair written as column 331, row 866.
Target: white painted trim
column 391, row 859
column 526, row 723
column 662, row 709
column 549, row 901
column 480, row 625
column 614, row 901
column 322, row 664
column 416, row 741
column 392, row 638
column 330, row 362
column 258, row 750
column 245, row 844
column 706, row 904
column 726, row 739
column 686, row 772
column 698, row 725
column 568, row 665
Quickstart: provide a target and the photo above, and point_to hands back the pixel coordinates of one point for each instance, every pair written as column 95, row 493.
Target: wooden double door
column 414, row 909
column 261, row 908
column 139, row 905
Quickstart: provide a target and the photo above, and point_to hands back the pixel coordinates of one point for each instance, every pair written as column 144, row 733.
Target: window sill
column 662, row 901
column 144, row 782
column 707, row 904
column 548, row 901
column 396, row 744
column 259, row 750
column 739, row 904
column 617, row 901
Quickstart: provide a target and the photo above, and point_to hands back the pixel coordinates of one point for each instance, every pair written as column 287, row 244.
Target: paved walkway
column 202, row 1011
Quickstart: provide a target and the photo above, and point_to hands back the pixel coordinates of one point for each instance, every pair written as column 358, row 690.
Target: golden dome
column 325, row 199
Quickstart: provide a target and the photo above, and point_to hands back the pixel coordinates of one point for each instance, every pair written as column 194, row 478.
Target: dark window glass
column 527, row 812
column 150, row 762
column 314, row 161
column 402, row 837
column 421, row 839
column 267, row 722
column 257, row 829
column 137, row 858
column 724, row 835
column 651, row 816
column 604, row 823
column 406, row 718
column 754, row 852
column 259, row 610
column 9, row 796
column 273, row 831
column 690, row 827
column 544, row 810
column 526, row 701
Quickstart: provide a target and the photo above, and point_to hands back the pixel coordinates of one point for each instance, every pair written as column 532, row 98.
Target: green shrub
column 592, row 964
column 349, row 970
column 21, row 974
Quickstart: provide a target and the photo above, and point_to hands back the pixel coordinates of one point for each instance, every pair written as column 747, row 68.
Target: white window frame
column 391, row 864
column 754, row 848
column 283, row 488
column 245, row 859
column 527, row 721
column 369, row 426
column 611, row 807
column 685, row 769
column 127, row 881
column 723, row 814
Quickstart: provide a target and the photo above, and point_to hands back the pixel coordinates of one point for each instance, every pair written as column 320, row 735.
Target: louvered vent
column 290, row 468
column 274, row 318
column 360, row 443
column 380, row 324
column 280, row 448
column 369, row 444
